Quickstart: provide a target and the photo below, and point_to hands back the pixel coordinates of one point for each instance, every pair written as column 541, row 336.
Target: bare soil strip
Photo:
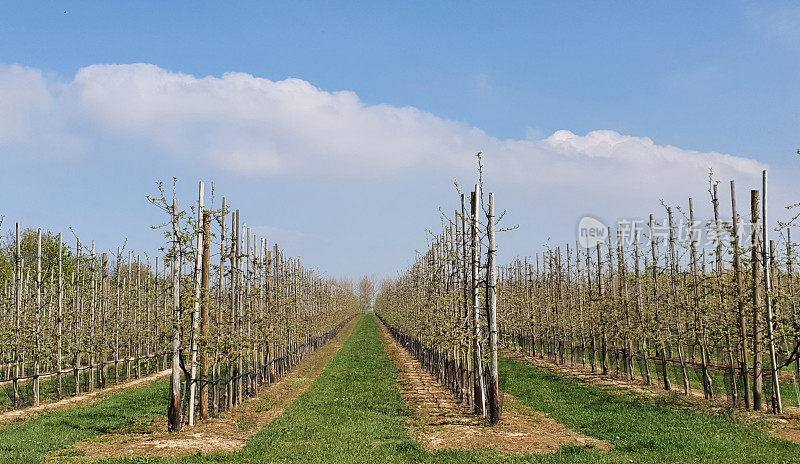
column 227, row 433
column 73, row 402
column 440, row 422
column 786, row 425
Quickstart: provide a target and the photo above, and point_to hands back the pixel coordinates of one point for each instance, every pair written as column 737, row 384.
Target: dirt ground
column 785, row 425
column 226, row 433
column 440, row 422
column 74, row 402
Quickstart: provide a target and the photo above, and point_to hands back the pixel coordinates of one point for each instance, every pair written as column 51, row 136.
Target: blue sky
column 336, row 180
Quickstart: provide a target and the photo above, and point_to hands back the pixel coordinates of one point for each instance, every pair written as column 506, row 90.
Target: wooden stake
column 104, row 284
column 776, row 385
column 196, row 312
column 205, row 360
column 59, row 321
column 491, row 316
column 38, row 334
column 18, row 322
column 480, row 387
column 755, row 266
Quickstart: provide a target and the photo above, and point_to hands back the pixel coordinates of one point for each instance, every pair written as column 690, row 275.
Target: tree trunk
column 480, row 388
column 662, row 346
column 205, row 360
column 196, row 312
column 104, row 284
column 59, row 321
column 776, row 385
column 755, row 265
column 175, row 414
column 737, row 269
column 491, row 306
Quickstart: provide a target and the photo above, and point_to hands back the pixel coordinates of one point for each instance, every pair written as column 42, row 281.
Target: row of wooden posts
column 66, row 319
column 711, row 311
column 279, row 310
column 443, row 309
column 225, row 328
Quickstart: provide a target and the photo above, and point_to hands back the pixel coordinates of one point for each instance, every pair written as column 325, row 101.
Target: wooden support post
column 196, row 313
column 59, row 320
column 600, row 293
column 758, row 297
column 491, row 316
column 38, row 316
column 104, row 283
column 92, row 328
column 239, row 310
column 205, row 360
column 776, row 385
column 480, row 387
column 77, row 307
column 470, row 371
column 218, row 402
column 18, row 317
column 118, row 314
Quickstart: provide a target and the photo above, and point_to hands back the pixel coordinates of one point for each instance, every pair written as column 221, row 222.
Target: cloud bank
column 257, row 127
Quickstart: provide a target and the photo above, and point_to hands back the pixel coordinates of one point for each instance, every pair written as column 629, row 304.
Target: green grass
column 33, row 440
column 640, row 428
column 790, row 390
column 352, row 413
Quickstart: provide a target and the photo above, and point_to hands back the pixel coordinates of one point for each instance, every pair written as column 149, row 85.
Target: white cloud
column 24, row 97
column 259, row 127
column 36, row 115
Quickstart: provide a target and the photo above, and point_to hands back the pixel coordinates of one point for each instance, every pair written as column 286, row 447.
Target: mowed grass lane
column 643, row 429
column 33, row 440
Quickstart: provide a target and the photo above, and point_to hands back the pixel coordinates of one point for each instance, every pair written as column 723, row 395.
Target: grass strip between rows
column 32, row 440
column 642, row 429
